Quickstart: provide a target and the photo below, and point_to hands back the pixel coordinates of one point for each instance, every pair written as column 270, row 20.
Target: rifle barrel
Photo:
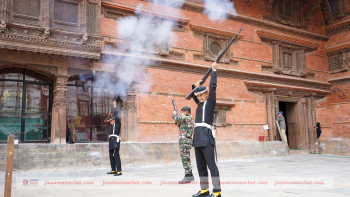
column 204, row 78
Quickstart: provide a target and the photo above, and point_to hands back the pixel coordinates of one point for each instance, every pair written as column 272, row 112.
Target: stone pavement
column 293, row 175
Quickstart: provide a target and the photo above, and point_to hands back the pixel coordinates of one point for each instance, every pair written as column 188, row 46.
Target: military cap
column 186, row 108
column 200, row 90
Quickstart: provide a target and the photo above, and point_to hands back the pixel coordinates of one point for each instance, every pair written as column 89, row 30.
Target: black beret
column 186, row 108
column 200, row 90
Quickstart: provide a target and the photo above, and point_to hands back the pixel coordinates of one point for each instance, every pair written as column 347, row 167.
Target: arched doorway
column 25, row 105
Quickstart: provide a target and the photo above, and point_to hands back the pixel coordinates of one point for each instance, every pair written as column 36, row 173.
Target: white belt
column 113, row 135
column 203, row 124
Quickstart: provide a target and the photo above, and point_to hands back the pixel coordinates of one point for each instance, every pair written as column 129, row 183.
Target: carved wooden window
column 220, row 111
column 287, row 12
column 26, row 11
column 213, row 45
column 334, row 9
column 92, row 18
column 338, row 62
column 66, row 11
column 27, row 8
column 289, row 60
column 115, row 14
column 220, row 118
column 335, row 62
column 337, row 8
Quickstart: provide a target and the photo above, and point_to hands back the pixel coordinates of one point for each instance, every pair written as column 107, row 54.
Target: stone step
column 294, row 152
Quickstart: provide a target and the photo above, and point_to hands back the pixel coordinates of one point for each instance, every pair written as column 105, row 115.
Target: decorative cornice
column 338, row 27
column 340, row 47
column 194, row 7
column 340, row 80
column 132, row 9
column 48, row 50
column 284, row 28
column 282, row 80
column 262, row 23
column 157, row 122
column 272, row 36
column 254, row 85
column 31, row 38
column 225, row 103
column 221, row 32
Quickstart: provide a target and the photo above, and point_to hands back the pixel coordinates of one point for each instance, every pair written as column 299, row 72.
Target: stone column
column 130, row 115
column 59, row 110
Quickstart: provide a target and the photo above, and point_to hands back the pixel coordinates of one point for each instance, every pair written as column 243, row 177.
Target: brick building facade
column 291, row 56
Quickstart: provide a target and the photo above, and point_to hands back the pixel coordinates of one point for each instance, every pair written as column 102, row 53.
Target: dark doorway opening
column 290, row 114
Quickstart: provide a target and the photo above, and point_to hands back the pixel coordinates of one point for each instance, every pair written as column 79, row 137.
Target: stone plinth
column 84, row 156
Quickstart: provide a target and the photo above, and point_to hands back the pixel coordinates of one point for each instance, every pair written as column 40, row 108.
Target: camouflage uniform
column 186, row 127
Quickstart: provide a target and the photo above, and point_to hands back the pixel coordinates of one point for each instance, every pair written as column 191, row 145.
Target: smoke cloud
column 145, row 36
column 217, row 10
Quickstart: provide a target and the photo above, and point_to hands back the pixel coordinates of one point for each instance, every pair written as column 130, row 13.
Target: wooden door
column 292, row 123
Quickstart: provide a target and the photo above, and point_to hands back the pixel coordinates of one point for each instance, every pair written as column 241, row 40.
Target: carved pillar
column 271, row 113
column 130, row 120
column 59, row 111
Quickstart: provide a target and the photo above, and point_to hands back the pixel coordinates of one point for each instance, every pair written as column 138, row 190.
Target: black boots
column 115, row 173
column 187, row 179
column 205, row 194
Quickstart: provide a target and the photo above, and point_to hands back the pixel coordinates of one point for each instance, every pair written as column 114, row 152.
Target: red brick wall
column 247, row 116
column 334, row 113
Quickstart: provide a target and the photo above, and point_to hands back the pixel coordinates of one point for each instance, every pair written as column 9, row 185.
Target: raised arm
column 194, row 96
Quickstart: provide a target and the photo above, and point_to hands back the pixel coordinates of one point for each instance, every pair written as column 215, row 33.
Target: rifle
column 174, row 104
column 190, row 95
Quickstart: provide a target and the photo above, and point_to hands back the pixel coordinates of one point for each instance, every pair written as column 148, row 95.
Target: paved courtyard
column 293, row 175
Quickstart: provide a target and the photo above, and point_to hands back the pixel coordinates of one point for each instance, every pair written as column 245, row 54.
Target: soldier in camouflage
column 186, row 127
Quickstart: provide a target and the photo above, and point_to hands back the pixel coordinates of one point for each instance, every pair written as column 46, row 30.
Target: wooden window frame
column 221, row 110
column 294, row 19
column 298, row 67
column 345, row 61
column 222, row 41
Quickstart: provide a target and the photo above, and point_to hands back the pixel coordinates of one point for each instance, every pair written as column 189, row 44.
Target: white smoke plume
column 143, row 36
column 217, row 10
